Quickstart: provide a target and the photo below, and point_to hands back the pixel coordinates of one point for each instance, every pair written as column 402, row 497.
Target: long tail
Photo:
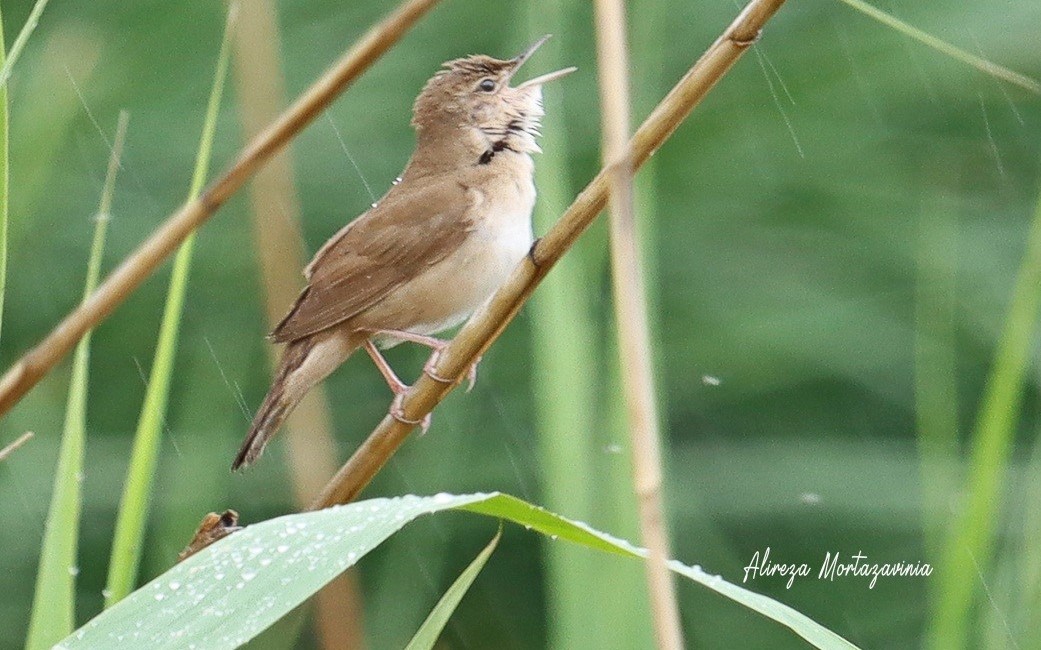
column 277, row 405
column 305, row 362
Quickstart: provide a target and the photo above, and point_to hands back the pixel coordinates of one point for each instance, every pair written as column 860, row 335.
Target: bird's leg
column 436, row 345
column 397, row 387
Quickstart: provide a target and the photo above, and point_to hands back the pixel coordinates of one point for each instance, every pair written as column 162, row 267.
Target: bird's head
column 474, row 94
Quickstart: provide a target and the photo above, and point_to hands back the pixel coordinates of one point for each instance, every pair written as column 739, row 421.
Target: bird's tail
column 277, row 405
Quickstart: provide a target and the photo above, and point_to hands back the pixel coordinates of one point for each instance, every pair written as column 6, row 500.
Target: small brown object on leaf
column 212, row 528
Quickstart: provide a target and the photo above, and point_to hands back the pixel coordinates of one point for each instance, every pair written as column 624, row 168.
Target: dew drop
column 810, row 498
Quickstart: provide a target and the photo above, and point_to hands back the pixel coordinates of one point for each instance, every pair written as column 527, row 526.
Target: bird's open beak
column 537, row 81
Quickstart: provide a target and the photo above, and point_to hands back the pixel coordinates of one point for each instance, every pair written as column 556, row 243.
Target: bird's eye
column 487, row 85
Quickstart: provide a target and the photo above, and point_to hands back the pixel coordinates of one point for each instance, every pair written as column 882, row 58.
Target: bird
column 431, row 251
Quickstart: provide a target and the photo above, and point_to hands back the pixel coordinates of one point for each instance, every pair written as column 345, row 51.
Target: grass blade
column 981, row 64
column 427, row 635
column 564, row 347
column 53, row 612
column 20, row 40
column 130, row 522
column 229, row 592
column 4, row 178
column 1025, row 566
column 970, row 544
column 936, row 367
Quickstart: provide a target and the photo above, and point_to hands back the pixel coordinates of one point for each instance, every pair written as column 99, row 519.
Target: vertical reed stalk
column 634, row 340
column 275, row 211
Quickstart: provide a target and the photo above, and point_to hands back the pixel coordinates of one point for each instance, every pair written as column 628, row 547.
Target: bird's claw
column 397, row 411
column 430, row 369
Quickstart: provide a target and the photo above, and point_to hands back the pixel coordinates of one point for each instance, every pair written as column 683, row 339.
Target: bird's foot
column 397, row 411
column 436, row 345
column 398, row 387
column 430, row 368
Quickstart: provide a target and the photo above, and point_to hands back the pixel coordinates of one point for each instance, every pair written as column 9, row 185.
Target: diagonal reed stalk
column 630, row 305
column 133, row 507
column 38, row 361
column 54, row 603
column 488, row 323
column 275, row 211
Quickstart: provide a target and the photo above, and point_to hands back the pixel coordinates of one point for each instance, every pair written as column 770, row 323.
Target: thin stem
column 118, row 286
column 630, row 304
column 487, row 324
column 275, row 211
column 15, row 445
column 19, row 42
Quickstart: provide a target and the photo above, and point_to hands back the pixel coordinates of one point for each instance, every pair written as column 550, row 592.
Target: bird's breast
column 500, row 236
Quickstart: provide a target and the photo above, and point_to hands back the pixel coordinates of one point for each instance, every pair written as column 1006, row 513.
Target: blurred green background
column 842, row 197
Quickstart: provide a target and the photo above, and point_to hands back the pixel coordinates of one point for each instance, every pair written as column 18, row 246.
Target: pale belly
column 447, row 293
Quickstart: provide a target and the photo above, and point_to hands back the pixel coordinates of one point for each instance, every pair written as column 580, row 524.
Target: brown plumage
column 432, row 250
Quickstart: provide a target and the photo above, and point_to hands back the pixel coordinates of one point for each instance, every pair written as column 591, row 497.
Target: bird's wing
column 377, row 253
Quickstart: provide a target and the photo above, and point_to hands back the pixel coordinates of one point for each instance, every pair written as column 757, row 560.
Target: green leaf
column 431, row 629
column 54, row 603
column 228, row 593
column 4, row 179
column 133, row 510
column 566, row 336
column 973, row 536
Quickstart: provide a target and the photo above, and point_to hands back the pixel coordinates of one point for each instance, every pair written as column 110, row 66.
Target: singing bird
column 432, row 250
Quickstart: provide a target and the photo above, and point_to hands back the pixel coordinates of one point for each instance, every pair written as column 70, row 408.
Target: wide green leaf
column 228, row 593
